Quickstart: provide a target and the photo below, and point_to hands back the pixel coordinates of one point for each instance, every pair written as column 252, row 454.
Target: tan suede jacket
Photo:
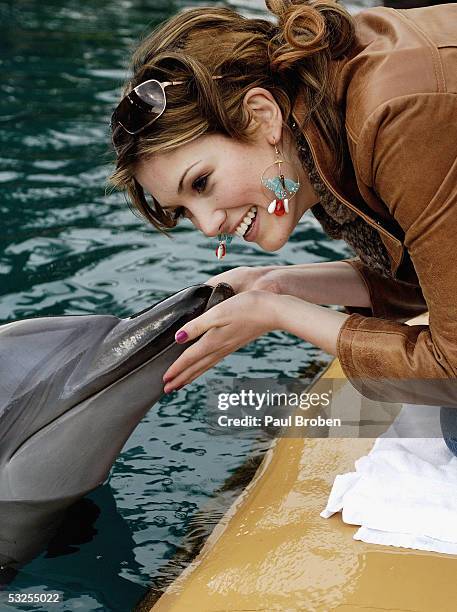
column 398, row 86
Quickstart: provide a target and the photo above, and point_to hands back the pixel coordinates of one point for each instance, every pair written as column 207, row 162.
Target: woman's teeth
column 248, row 219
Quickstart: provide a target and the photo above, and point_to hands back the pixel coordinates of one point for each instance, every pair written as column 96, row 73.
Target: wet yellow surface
column 272, row 550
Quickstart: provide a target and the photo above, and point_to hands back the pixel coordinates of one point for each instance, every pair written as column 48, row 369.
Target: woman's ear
column 265, row 114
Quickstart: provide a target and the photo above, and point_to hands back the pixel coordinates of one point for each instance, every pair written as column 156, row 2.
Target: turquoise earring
column 224, row 240
column 284, row 188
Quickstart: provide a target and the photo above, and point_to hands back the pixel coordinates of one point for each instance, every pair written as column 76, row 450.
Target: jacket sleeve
column 390, row 298
column 406, row 153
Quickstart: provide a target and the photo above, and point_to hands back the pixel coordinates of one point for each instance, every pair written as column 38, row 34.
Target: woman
column 361, row 111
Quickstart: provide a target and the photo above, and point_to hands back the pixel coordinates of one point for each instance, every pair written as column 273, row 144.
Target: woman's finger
column 198, row 326
column 192, row 372
column 205, row 346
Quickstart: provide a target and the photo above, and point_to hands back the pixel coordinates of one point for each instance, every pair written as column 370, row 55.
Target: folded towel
column 404, row 492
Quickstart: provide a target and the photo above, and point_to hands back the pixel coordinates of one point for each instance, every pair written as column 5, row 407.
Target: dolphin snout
column 221, row 292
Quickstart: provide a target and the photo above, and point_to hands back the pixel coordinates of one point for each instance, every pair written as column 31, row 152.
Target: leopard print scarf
column 339, row 221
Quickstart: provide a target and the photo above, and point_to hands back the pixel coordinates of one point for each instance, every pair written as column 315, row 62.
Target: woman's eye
column 200, row 184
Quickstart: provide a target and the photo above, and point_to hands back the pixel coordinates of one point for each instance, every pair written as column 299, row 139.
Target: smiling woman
column 254, row 122
column 214, row 181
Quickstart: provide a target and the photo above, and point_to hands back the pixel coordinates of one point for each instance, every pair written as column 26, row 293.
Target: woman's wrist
column 315, row 324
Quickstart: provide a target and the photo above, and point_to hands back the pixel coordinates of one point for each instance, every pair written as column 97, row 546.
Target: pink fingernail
column 181, row 336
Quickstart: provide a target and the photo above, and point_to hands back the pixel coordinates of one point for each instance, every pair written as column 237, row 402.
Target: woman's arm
column 315, row 324
column 333, row 282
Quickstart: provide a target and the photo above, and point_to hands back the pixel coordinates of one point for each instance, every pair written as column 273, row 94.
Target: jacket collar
column 346, row 189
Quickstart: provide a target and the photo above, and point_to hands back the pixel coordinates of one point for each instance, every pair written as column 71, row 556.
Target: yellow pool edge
column 273, row 551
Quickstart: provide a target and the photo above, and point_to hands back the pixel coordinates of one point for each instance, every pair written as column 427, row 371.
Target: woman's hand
column 224, row 329
column 246, row 278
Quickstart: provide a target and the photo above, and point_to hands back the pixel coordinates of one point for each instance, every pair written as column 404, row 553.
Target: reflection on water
column 68, row 248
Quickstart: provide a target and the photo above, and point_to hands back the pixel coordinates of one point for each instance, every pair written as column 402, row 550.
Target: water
column 68, row 248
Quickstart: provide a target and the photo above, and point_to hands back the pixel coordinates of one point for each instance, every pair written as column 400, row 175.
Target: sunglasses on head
column 141, row 107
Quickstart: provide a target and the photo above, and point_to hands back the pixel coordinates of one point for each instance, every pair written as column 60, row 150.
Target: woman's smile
column 252, row 231
column 243, row 227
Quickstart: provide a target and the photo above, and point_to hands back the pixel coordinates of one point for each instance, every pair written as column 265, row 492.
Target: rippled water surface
column 68, row 248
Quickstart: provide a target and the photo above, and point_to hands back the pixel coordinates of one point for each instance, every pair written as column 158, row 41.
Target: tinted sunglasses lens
column 118, row 135
column 152, row 94
column 142, row 106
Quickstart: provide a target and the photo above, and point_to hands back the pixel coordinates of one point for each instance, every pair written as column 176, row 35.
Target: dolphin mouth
column 219, row 294
column 145, row 334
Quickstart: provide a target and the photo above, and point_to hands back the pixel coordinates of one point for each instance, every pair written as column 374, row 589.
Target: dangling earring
column 224, row 240
column 284, row 188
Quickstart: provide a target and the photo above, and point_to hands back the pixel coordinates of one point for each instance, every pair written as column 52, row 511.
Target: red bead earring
column 284, row 188
column 224, row 240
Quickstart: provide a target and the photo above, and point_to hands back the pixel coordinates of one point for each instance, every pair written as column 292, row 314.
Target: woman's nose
column 210, row 223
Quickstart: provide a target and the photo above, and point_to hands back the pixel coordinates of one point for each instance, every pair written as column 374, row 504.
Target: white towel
column 404, row 492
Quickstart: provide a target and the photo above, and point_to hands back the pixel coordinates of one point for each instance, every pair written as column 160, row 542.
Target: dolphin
column 72, row 390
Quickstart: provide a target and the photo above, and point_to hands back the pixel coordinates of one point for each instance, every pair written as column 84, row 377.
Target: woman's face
column 216, row 179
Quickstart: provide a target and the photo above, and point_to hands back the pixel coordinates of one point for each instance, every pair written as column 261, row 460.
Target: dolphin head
column 73, row 388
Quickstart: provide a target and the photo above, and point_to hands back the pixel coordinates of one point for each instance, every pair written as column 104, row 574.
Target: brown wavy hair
column 289, row 56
